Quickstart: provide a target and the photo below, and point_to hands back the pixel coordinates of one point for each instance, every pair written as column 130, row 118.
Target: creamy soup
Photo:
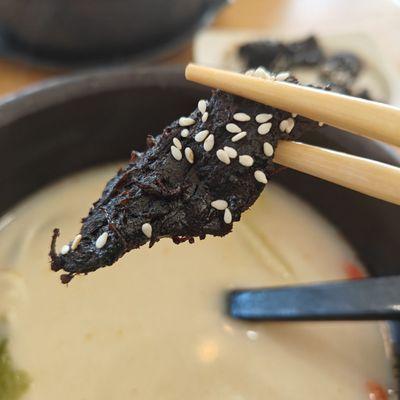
column 153, row 325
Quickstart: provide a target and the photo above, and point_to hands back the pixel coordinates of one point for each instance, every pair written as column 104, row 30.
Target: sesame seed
column 290, row 125
column 252, row 335
column 201, row 136
column 204, row 117
column 176, row 153
column 232, row 153
column 223, row 156
column 268, row 149
column 76, row 242
column 239, row 136
column 263, row 129
column 177, row 143
column 102, row 240
column 227, row 216
column 261, row 72
column 260, row 177
column 249, row 72
column 65, row 249
column 286, row 125
column 186, row 121
column 294, row 115
column 220, row 205
column 209, row 143
column 246, row 160
column 147, row 230
column 320, row 124
column 189, row 155
column 233, row 128
column 261, row 118
column 282, row 76
column 185, row 132
column 241, row 117
column 202, row 106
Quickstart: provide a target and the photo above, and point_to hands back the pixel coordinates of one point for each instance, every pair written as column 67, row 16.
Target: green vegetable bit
column 13, row 382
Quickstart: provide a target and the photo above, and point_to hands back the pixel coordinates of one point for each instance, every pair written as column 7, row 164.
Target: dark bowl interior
column 76, row 122
column 87, row 32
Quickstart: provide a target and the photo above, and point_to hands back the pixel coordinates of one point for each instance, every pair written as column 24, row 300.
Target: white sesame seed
column 260, row 177
column 282, row 76
column 227, row 216
column 189, row 155
column 209, row 143
column 320, row 124
column 201, row 136
column 249, row 72
column 246, row 160
column 186, row 121
column 202, row 106
column 76, row 242
column 241, row 117
column 290, row 125
column 233, row 128
column 232, row 153
column 294, row 115
column 260, row 72
column 223, row 156
column 268, row 149
column 220, row 205
column 239, row 136
column 252, row 335
column 147, row 230
column 286, row 125
column 177, row 143
column 176, row 153
column 185, row 132
column 261, row 118
column 204, row 117
column 102, row 240
column 263, row 129
column 65, row 249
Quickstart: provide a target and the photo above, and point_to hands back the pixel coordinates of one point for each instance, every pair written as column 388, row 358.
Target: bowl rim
column 55, row 91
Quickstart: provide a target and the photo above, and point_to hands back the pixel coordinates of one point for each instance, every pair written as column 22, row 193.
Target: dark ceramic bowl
column 72, row 123
column 87, row 32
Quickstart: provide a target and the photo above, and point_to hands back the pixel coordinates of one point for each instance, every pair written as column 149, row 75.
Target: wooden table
column 378, row 18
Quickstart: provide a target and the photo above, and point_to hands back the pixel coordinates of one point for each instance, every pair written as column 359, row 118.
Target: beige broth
column 153, row 325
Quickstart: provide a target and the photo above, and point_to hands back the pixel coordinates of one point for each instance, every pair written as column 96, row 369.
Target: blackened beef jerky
column 277, row 56
column 194, row 180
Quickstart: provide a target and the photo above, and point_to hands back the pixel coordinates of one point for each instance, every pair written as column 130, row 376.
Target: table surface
column 378, row 18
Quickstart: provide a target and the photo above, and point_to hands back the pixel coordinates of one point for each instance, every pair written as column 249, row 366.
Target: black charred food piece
column 278, row 56
column 195, row 179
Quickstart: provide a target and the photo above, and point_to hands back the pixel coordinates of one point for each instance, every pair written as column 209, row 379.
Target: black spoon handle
column 365, row 299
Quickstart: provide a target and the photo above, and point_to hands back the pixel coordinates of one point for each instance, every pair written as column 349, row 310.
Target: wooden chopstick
column 370, row 177
column 361, row 117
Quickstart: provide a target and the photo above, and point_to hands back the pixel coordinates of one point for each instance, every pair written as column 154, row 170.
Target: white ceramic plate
column 217, row 48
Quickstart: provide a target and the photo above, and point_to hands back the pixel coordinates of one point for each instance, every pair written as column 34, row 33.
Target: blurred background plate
column 217, row 48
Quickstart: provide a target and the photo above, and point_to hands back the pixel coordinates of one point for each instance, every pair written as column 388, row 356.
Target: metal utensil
column 364, row 299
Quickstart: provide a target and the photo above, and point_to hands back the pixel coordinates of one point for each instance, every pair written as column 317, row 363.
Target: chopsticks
column 364, row 299
column 361, row 117
column 369, row 177
column 366, row 118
